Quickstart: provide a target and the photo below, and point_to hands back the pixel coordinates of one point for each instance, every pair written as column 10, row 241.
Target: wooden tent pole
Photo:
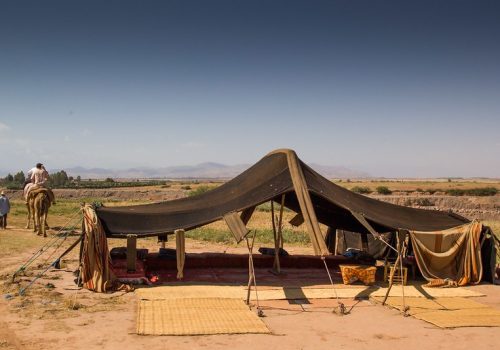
column 251, row 272
column 276, row 267
column 280, row 222
column 278, row 236
column 398, row 261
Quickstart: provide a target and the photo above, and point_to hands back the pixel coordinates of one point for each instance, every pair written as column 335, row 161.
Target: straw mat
column 448, row 312
column 190, row 291
column 485, row 317
column 197, row 316
column 424, row 292
column 278, row 293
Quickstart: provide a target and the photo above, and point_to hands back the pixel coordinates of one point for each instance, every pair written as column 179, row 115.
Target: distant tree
column 59, row 179
column 78, row 179
column 9, row 178
column 19, row 177
column 108, row 179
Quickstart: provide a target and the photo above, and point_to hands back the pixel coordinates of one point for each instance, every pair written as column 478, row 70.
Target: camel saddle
column 35, row 190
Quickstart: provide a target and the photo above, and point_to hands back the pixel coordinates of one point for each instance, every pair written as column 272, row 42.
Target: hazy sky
column 393, row 88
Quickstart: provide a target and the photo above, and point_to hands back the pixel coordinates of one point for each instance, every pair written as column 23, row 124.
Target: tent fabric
column 96, row 270
column 450, row 255
column 280, row 172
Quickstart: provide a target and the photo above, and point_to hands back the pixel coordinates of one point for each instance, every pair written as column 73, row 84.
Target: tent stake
column 342, row 309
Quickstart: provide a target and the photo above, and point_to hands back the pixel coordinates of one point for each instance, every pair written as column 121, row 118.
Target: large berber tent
column 446, row 245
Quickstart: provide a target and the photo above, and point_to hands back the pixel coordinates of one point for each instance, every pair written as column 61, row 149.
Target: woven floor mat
column 424, row 292
column 485, row 317
column 448, row 312
column 238, row 292
column 197, row 316
column 420, row 305
column 278, row 293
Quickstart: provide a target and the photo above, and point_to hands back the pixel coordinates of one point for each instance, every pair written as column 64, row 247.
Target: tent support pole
column 278, row 235
column 251, row 274
column 370, row 229
column 399, row 260
column 276, row 264
column 281, row 221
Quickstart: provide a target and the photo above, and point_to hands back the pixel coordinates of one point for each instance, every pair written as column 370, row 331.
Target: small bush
column 13, row 186
column 362, row 190
column 266, row 207
column 200, row 190
column 383, row 190
column 187, row 188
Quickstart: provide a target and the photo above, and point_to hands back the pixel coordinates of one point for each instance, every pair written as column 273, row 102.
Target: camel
column 38, row 204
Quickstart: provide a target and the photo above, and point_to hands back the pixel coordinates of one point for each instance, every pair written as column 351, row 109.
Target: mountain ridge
column 206, row 170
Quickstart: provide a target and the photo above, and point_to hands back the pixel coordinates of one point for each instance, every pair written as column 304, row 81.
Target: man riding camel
column 37, row 178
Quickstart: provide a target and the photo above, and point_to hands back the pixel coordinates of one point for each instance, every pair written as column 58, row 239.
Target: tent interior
column 284, row 180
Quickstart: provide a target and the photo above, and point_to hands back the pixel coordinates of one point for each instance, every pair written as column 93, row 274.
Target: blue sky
column 393, row 88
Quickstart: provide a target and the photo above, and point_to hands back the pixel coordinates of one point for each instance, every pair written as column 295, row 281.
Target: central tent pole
column 278, row 235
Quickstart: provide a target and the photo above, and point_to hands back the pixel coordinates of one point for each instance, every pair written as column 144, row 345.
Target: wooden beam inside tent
column 236, row 226
column 246, row 214
column 297, row 220
column 366, row 224
column 278, row 234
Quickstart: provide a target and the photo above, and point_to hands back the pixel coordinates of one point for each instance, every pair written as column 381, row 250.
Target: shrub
column 362, row 190
column 383, row 190
column 200, row 190
column 187, row 188
column 266, row 207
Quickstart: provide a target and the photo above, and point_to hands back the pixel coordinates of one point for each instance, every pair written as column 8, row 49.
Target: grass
column 404, row 185
column 263, row 236
column 12, row 243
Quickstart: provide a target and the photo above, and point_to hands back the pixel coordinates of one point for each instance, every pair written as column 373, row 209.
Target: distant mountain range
column 201, row 171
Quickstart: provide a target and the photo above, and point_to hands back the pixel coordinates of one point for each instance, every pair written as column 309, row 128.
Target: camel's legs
column 28, row 221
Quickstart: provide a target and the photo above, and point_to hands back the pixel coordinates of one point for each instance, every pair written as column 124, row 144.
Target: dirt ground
column 55, row 314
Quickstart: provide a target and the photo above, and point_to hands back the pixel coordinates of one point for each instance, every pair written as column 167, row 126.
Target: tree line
column 61, row 179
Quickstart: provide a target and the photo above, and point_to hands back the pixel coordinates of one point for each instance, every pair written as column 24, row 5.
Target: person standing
column 4, row 209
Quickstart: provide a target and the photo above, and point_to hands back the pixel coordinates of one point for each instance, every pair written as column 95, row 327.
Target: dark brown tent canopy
column 278, row 173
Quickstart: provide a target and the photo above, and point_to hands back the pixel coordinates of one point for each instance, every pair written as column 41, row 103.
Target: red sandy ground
column 307, row 326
